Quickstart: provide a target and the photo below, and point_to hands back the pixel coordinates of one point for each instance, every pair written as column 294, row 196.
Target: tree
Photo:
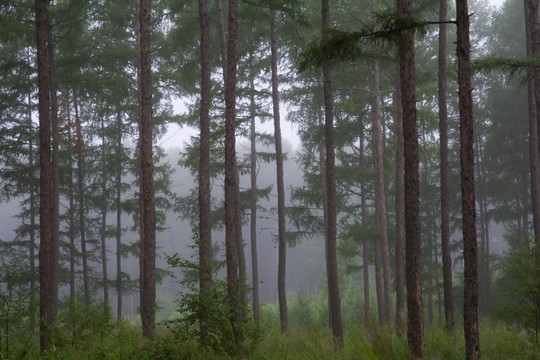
column 415, row 330
column 231, row 219
column 205, row 242
column 445, row 212
column 282, row 258
column 148, row 197
column 45, row 177
column 331, row 231
column 468, row 207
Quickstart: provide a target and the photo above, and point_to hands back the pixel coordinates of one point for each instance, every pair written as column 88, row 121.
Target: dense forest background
column 95, row 78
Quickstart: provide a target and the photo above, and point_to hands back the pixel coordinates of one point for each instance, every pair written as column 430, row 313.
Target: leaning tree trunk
column 445, row 208
column 45, row 229
column 331, row 256
column 147, row 170
column 205, row 240
column 415, row 331
column 468, row 206
column 282, row 258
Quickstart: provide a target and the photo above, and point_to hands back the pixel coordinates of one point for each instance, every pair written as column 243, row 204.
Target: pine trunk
column 147, row 179
column 45, row 226
column 468, row 207
column 103, row 230
column 415, row 331
column 205, row 240
column 331, row 237
column 118, row 205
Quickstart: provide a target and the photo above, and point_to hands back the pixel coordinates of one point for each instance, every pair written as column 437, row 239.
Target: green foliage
column 519, row 285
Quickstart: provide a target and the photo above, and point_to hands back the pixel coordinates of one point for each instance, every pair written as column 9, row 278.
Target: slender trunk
column 470, row 250
column 205, row 241
column 241, row 255
column 445, row 208
column 380, row 196
column 282, row 262
column 415, row 330
column 253, row 195
column 365, row 252
column 32, row 240
column 331, row 257
column 104, row 221
column 230, row 174
column 71, row 229
column 482, row 300
column 400, row 221
column 147, row 178
column 55, row 193
column 79, row 149
column 118, row 206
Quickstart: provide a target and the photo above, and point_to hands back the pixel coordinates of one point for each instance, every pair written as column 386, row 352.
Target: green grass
column 498, row 341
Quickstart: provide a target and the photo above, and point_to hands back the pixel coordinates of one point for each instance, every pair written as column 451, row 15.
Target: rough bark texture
column 147, row 178
column 253, row 202
column 445, row 209
column 55, row 187
column 45, row 175
column 468, row 207
column 230, row 173
column 331, row 232
column 79, row 149
column 400, row 220
column 415, row 330
column 282, row 243
column 380, row 195
column 205, row 241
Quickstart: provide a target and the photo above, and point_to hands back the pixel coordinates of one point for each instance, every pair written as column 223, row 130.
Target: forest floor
column 124, row 341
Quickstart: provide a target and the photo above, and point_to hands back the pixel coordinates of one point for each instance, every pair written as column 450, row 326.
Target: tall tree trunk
column 32, row 240
column 400, row 221
column 71, row 229
column 103, row 232
column 45, row 226
column 331, row 237
column 282, row 264
column 55, row 193
column 241, row 255
column 205, row 240
column 79, row 149
column 468, row 207
column 415, row 330
column 253, row 196
column 380, row 195
column 365, row 252
column 147, row 179
column 445, row 208
column 233, row 288
column 118, row 206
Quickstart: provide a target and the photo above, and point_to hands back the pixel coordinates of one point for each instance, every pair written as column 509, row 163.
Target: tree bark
column 253, row 195
column 365, row 252
column 79, row 149
column 71, row 229
column 55, row 193
column 32, row 237
column 103, row 230
column 331, row 237
column 205, row 240
column 282, row 258
column 470, row 250
column 147, row 170
column 445, row 208
column 415, row 331
column 118, row 205
column 380, row 196
column 400, row 221
column 233, row 288
column 45, row 226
